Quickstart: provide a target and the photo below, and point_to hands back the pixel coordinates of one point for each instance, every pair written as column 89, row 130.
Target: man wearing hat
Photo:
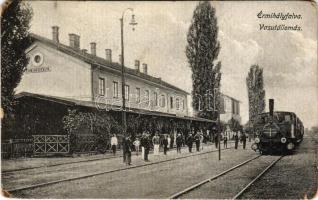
column 190, row 142
column 179, row 142
column 127, row 150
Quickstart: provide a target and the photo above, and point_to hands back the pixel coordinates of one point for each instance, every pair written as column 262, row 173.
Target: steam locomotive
column 277, row 131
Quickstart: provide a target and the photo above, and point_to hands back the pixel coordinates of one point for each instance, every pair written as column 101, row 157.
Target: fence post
column 11, row 147
column 45, row 144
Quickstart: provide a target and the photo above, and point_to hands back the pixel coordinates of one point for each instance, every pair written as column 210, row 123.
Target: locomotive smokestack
column 271, row 107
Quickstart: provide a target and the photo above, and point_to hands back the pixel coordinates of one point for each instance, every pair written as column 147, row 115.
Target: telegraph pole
column 132, row 23
column 123, row 114
column 216, row 91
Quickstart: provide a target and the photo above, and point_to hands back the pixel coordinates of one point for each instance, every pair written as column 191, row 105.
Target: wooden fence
column 15, row 148
column 51, row 144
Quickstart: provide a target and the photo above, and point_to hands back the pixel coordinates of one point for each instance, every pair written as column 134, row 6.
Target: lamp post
column 216, row 91
column 132, row 23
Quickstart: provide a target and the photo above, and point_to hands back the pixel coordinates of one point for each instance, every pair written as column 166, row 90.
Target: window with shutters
column 127, row 92
column 171, row 102
column 147, row 97
column 137, row 95
column 101, row 83
column 155, row 98
column 115, row 89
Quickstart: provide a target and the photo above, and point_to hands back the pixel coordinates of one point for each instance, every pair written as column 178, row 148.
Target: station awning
column 92, row 104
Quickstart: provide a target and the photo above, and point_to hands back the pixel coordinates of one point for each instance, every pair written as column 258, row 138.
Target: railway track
column 239, row 194
column 58, row 164
column 209, row 180
column 27, row 187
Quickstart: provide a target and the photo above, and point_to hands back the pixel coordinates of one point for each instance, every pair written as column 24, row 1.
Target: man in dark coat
column 183, row 139
column 216, row 140
column 243, row 139
column 190, row 142
column 225, row 141
column 236, row 139
column 197, row 138
column 179, row 142
column 145, row 142
column 123, row 148
column 171, row 141
column 127, row 144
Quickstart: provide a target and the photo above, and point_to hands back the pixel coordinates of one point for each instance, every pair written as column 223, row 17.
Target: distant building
column 230, row 108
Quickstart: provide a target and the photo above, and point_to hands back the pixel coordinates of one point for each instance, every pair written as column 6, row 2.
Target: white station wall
column 51, row 72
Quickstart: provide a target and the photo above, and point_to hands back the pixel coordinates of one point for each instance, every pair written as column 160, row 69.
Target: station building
column 69, row 72
column 61, row 77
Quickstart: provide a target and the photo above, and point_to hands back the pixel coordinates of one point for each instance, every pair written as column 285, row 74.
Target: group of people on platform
column 237, row 136
column 196, row 138
column 145, row 142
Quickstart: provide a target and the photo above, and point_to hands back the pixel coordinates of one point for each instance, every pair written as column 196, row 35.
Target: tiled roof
column 91, row 104
column 95, row 60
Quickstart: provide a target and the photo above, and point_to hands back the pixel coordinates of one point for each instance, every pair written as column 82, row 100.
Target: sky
column 288, row 58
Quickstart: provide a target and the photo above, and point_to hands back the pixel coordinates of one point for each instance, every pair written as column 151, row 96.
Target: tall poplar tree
column 202, row 50
column 15, row 20
column 256, row 92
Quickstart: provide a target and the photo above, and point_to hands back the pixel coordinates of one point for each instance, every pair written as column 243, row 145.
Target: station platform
column 36, row 162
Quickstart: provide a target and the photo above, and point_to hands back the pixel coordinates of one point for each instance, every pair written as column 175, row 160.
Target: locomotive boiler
column 277, row 131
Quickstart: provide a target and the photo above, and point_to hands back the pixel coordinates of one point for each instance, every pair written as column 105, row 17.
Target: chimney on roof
column 74, row 41
column 84, row 51
column 93, row 48
column 144, row 68
column 137, row 65
column 108, row 55
column 120, row 59
column 55, row 33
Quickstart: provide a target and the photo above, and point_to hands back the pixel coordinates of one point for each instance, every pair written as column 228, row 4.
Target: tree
column 99, row 123
column 202, row 50
column 15, row 24
column 256, row 92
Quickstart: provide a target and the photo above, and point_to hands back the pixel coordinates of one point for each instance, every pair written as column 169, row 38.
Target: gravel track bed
column 293, row 177
column 228, row 185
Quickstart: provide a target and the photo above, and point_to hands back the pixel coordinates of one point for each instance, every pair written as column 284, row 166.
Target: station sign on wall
column 36, row 64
